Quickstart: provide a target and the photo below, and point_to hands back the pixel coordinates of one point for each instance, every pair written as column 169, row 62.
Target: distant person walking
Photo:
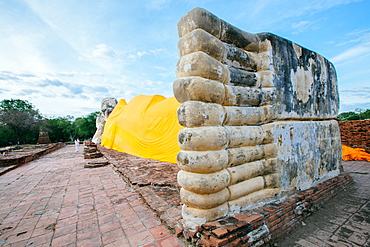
column 77, row 144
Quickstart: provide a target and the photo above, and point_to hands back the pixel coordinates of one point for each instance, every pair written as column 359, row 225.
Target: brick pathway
column 344, row 221
column 155, row 181
column 54, row 201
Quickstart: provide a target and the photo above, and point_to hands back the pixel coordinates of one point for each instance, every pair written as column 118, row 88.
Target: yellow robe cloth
column 146, row 127
column 359, row 154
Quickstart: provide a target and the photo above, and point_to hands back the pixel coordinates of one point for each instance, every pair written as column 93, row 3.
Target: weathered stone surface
column 243, row 155
column 209, row 91
column 307, row 152
column 207, row 114
column 204, row 201
column 203, row 183
column 203, row 139
column 239, row 77
column 241, row 136
column 245, row 96
column 305, row 82
column 200, row 40
column 241, row 59
column 203, row 65
column 199, row 89
column 202, row 162
column 254, row 197
column 256, row 107
column 193, row 217
column 272, row 180
column 202, row 19
column 248, row 115
column 250, row 170
column 246, row 187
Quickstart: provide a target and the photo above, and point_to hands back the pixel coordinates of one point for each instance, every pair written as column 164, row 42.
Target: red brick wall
column 355, row 134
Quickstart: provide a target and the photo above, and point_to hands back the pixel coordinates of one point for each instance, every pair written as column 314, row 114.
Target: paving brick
column 120, row 242
column 111, row 236
column 206, row 242
column 231, row 228
column 60, row 231
column 64, row 240
column 253, row 218
column 159, row 232
column 40, row 240
column 218, row 242
column 220, row 232
column 134, row 228
column 19, row 235
column 241, row 224
column 91, row 242
column 170, row 241
column 140, row 238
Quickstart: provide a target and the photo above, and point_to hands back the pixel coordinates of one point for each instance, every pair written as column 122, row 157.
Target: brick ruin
column 355, row 133
column 258, row 112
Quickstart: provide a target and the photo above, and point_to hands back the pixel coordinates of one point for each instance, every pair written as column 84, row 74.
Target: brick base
column 272, row 221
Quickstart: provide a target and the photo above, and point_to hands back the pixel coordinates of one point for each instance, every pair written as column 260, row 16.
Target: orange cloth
column 146, row 127
column 359, row 154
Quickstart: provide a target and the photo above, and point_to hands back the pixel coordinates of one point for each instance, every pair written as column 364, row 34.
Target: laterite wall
column 355, row 134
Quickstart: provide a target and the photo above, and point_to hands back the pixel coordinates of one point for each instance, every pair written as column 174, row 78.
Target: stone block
column 250, row 170
column 204, row 183
column 199, row 89
column 204, row 201
column 202, row 162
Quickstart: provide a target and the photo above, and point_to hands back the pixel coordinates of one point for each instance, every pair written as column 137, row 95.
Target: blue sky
column 66, row 56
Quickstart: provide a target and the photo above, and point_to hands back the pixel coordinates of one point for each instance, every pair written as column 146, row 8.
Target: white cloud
column 141, row 53
column 160, row 68
column 104, row 57
column 302, row 26
column 353, row 53
column 23, row 53
column 153, row 83
column 103, row 51
column 355, row 97
column 128, row 95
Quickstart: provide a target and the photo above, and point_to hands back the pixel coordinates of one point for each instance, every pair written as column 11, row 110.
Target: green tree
column 85, row 127
column 365, row 114
column 61, row 128
column 358, row 115
column 348, row 116
column 6, row 135
column 21, row 120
